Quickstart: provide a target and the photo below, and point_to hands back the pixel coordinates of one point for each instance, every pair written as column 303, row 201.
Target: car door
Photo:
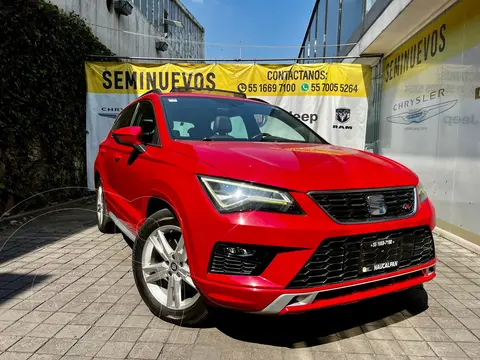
column 136, row 170
column 114, row 154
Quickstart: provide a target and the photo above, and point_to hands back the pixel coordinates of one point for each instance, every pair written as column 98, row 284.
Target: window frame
column 117, row 120
column 134, row 120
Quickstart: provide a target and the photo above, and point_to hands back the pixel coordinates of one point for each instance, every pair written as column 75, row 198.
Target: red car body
column 168, row 174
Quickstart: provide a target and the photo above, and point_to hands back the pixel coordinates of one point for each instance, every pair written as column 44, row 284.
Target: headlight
column 422, row 193
column 234, row 196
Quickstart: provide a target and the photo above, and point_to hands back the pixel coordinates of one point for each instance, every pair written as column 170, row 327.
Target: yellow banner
column 452, row 33
column 350, row 80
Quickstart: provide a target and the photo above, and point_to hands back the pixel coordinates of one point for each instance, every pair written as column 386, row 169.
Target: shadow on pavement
column 316, row 327
column 19, row 240
column 15, row 284
column 24, row 264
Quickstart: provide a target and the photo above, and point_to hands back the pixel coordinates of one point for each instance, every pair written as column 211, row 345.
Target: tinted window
column 125, row 118
column 332, row 28
column 145, row 118
column 351, row 18
column 278, row 128
column 239, row 131
column 216, row 119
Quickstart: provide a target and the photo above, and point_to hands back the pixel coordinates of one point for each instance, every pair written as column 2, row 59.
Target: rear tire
column 104, row 223
column 159, row 256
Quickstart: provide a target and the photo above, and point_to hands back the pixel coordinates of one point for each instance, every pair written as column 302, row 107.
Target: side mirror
column 129, row 136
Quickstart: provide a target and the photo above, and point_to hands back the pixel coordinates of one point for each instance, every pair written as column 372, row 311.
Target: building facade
column 154, row 28
column 425, row 99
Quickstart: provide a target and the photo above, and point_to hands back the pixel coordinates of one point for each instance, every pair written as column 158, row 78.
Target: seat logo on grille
column 377, row 205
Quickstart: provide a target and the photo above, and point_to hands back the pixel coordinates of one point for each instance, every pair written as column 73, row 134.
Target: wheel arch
column 156, row 203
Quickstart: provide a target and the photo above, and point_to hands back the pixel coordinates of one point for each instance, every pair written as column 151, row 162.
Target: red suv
column 233, row 202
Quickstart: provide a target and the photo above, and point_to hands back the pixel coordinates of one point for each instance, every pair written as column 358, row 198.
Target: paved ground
column 66, row 291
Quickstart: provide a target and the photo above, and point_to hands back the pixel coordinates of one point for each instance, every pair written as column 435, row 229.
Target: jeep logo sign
column 308, row 118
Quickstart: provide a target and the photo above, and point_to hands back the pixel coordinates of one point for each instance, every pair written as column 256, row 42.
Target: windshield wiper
column 269, row 138
column 207, row 139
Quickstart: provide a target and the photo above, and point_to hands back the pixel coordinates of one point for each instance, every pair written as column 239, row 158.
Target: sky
column 252, row 22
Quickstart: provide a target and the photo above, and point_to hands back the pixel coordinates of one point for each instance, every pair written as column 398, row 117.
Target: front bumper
column 273, row 302
column 268, row 292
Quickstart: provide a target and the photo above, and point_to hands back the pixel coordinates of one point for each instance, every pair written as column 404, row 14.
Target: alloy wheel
column 100, row 205
column 165, row 269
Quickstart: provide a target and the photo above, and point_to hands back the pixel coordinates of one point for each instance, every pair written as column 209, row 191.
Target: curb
column 6, row 220
column 458, row 240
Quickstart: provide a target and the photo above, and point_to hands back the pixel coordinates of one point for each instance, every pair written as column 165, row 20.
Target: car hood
column 302, row 167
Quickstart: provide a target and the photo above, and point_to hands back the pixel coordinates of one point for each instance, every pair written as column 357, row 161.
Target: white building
column 425, row 99
column 145, row 31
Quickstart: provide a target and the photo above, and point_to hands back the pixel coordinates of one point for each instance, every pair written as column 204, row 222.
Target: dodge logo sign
column 377, row 205
column 342, row 115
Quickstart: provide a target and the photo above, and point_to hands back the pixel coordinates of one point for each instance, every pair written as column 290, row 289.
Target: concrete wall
column 131, row 35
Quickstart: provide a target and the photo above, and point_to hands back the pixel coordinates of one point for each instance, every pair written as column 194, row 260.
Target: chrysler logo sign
column 376, row 204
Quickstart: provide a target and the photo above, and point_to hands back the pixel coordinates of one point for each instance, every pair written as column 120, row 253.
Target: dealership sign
column 330, row 98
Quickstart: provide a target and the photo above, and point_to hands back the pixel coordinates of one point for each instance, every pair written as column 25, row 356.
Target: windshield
column 227, row 119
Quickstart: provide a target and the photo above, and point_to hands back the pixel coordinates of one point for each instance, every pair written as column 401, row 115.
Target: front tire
column 104, row 223
column 161, row 272
column 415, row 299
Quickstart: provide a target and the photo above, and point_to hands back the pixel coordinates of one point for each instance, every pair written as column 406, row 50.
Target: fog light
column 242, row 259
column 238, row 251
column 431, row 270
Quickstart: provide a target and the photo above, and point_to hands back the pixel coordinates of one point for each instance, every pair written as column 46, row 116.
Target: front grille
column 248, row 260
column 354, row 257
column 355, row 206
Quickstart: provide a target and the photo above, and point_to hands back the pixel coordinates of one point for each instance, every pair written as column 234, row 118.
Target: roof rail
column 261, row 100
column 200, row 89
column 153, row 91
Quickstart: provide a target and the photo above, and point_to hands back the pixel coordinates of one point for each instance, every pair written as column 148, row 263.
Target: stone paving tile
column 87, row 307
column 9, row 355
column 151, row 335
column 416, row 348
column 140, row 321
column 8, row 340
column 45, row 330
column 145, row 350
column 443, row 349
column 112, row 320
column 57, row 346
column 129, row 335
column 114, row 349
column 28, row 344
column 85, row 348
column 20, row 328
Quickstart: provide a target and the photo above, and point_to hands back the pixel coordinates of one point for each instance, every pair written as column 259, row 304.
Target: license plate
column 379, row 255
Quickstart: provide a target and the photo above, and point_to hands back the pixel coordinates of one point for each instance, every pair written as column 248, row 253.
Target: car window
column 239, row 130
column 276, row 127
column 145, row 118
column 229, row 119
column 125, row 118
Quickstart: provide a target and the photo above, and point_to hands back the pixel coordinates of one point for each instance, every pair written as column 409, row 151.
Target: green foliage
column 42, row 101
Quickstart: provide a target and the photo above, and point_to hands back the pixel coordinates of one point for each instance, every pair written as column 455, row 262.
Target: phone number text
column 305, row 87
